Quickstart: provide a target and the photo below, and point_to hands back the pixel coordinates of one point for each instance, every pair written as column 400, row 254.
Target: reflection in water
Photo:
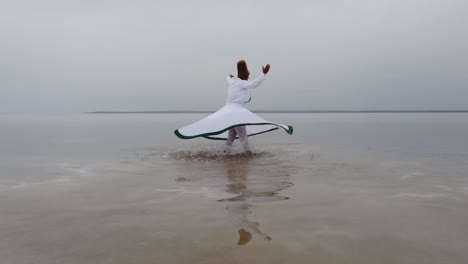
column 249, row 188
column 241, row 180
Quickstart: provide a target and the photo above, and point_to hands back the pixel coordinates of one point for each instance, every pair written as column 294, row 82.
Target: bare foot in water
column 227, row 150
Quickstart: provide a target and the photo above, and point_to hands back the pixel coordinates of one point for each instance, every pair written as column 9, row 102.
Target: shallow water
column 345, row 188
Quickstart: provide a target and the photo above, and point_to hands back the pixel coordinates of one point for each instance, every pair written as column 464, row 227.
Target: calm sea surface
column 344, row 188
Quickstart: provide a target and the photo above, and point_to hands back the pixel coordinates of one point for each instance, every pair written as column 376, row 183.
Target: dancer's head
column 242, row 71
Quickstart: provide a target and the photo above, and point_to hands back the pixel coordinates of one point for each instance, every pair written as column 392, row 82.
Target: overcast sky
column 76, row 56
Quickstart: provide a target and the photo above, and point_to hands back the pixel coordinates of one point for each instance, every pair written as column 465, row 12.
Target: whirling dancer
column 234, row 120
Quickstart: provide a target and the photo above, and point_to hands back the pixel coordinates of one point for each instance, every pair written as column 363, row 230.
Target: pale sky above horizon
column 78, row 56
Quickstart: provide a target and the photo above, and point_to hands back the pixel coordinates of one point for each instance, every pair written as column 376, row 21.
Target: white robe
column 233, row 114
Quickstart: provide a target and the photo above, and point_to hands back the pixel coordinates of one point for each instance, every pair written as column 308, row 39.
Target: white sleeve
column 228, row 79
column 255, row 83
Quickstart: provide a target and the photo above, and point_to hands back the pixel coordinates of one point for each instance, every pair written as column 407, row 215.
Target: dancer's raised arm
column 255, row 83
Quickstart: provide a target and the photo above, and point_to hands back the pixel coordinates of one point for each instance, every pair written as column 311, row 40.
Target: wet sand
column 290, row 202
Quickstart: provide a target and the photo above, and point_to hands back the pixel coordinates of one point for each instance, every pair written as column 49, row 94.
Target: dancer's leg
column 242, row 133
column 231, row 137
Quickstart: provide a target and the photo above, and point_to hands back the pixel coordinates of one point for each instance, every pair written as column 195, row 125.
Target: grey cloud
column 155, row 55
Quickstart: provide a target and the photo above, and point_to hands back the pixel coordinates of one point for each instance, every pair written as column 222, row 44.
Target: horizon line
column 279, row 111
column 255, row 111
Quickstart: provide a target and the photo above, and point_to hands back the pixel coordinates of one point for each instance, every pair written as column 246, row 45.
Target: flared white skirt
column 216, row 125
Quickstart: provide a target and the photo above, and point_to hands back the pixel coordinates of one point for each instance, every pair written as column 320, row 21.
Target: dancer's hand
column 266, row 68
column 230, row 75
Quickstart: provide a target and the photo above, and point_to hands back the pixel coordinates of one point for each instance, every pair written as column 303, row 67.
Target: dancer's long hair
column 242, row 71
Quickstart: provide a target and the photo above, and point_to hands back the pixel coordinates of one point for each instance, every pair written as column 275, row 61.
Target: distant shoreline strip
column 285, row 111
